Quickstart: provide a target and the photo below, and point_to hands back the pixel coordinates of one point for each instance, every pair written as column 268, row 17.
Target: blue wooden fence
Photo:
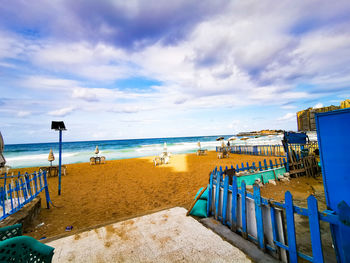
column 262, row 150
column 260, row 166
column 237, row 208
column 268, row 150
column 20, row 189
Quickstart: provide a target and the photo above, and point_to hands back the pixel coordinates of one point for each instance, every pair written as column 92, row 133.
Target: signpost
column 59, row 126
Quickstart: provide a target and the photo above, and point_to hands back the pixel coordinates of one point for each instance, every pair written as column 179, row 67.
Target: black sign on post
column 59, row 126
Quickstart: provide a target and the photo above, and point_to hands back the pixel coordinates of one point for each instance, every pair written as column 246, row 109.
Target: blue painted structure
column 333, row 130
column 22, row 189
column 255, row 218
column 59, row 162
column 262, row 150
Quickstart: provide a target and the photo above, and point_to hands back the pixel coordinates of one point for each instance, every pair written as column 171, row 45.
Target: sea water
column 36, row 154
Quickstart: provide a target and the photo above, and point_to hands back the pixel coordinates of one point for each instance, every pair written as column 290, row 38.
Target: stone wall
column 25, row 216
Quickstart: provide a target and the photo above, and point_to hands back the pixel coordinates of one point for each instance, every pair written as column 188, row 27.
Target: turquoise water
column 27, row 155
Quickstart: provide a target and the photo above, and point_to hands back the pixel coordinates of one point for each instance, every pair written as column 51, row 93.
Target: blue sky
column 138, row 69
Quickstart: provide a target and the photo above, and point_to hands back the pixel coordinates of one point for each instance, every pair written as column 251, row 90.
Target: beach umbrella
column 232, row 138
column 245, row 139
column 51, row 157
column 219, row 138
column 97, row 150
column 2, row 158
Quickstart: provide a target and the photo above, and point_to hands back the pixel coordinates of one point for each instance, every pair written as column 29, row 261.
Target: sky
column 143, row 69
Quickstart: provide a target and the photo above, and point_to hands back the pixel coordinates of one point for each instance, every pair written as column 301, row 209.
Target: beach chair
column 10, row 231
column 157, row 160
column 25, row 249
column 92, row 160
column 103, row 159
column 17, row 248
column 166, row 159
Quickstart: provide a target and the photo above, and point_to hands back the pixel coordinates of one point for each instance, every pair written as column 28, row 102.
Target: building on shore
column 306, row 118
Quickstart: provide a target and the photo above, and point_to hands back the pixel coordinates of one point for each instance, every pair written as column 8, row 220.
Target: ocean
column 35, row 154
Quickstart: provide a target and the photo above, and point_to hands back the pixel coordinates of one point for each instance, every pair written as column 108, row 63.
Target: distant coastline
column 261, row 133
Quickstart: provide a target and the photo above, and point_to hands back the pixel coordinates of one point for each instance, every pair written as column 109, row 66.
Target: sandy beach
column 121, row 189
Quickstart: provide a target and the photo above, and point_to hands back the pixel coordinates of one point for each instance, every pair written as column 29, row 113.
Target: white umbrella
column 97, row 150
column 232, row 138
column 51, row 157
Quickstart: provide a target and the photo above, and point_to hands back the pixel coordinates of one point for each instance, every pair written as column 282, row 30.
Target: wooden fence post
column 258, row 217
column 225, row 197
column 234, row 204
column 244, row 214
column 292, row 246
column 47, row 195
column 210, row 194
column 265, row 164
column 217, row 195
column 314, row 223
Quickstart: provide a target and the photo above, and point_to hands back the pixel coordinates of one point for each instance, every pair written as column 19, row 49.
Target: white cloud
column 22, row 114
column 62, row 112
column 318, row 105
column 288, row 117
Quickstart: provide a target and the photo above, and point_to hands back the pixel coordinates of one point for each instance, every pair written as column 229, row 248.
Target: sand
column 121, row 189
column 96, row 195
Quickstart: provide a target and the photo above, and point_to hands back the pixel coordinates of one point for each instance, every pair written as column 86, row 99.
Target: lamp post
column 59, row 126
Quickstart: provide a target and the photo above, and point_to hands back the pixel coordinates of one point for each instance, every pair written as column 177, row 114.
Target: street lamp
column 59, row 126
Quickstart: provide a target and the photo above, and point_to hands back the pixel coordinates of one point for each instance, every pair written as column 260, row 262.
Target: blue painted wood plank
column 47, row 195
column 265, row 164
column 40, row 180
column 210, row 194
column 237, row 168
column 24, row 191
column 217, row 194
column 2, row 197
column 314, row 229
column 35, row 182
column 271, row 164
column 274, row 225
column 293, row 257
column 224, row 203
column 258, row 217
column 234, row 203
column 276, row 163
column 260, row 167
column 253, row 166
column 244, row 213
column 10, row 193
column 17, row 192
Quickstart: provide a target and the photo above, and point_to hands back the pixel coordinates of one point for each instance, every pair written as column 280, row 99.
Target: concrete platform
column 165, row 236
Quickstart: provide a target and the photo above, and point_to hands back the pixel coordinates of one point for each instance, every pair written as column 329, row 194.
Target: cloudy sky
column 139, row 69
